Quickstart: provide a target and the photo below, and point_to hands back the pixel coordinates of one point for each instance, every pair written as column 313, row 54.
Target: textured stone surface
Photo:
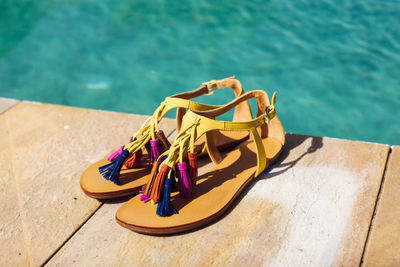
column 12, row 240
column 312, row 209
column 383, row 247
column 46, row 148
column 6, row 103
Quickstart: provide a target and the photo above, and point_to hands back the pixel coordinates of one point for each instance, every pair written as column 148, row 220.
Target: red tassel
column 159, row 183
column 134, row 160
column 193, row 167
column 165, row 144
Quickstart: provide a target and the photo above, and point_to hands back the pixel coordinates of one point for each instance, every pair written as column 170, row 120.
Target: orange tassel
column 153, row 175
column 134, row 160
column 159, row 183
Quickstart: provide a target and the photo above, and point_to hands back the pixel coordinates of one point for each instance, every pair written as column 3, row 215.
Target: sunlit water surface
column 334, row 64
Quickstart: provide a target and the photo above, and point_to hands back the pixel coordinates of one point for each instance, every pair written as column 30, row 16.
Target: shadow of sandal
column 292, row 141
column 213, row 179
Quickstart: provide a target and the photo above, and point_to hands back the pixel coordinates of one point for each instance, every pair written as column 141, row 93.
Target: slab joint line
column 378, row 197
column 72, row 234
column 84, row 222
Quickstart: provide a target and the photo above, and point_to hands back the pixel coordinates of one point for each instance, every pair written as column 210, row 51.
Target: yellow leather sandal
column 183, row 199
column 125, row 171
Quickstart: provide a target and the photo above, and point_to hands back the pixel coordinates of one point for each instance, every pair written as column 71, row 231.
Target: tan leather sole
column 94, row 185
column 214, row 193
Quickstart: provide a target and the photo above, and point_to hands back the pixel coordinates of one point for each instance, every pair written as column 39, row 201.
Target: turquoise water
column 335, row 64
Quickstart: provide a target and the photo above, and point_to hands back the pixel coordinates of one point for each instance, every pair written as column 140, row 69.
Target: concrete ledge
column 312, row 208
column 384, row 243
column 44, row 150
column 6, row 103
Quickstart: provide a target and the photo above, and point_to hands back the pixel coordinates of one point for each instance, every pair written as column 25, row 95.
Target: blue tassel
column 148, row 148
column 164, row 207
column 111, row 170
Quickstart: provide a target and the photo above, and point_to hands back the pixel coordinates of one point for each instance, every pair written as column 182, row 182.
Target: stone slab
column 6, row 103
column 312, row 209
column 12, row 239
column 48, row 147
column 383, row 247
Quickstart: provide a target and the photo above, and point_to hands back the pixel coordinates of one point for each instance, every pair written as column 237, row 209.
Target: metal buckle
column 267, row 119
column 211, row 86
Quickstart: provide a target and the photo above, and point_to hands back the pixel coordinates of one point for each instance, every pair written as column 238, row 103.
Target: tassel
column 134, row 161
column 115, row 154
column 193, row 167
column 156, row 150
column 184, row 181
column 145, row 198
column 147, row 146
column 111, row 170
column 165, row 144
column 147, row 188
column 165, row 207
column 159, row 183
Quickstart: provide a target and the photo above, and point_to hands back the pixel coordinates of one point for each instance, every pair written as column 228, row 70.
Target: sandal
column 149, row 142
column 199, row 200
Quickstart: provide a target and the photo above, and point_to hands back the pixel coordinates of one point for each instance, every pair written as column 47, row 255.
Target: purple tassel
column 184, row 181
column 156, row 150
column 115, row 154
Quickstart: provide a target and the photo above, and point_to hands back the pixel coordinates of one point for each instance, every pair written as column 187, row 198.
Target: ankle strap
column 242, row 111
column 206, row 124
column 181, row 102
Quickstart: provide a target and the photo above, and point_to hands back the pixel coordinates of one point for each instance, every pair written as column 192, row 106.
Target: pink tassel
column 156, row 150
column 115, row 154
column 184, row 181
column 145, row 198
